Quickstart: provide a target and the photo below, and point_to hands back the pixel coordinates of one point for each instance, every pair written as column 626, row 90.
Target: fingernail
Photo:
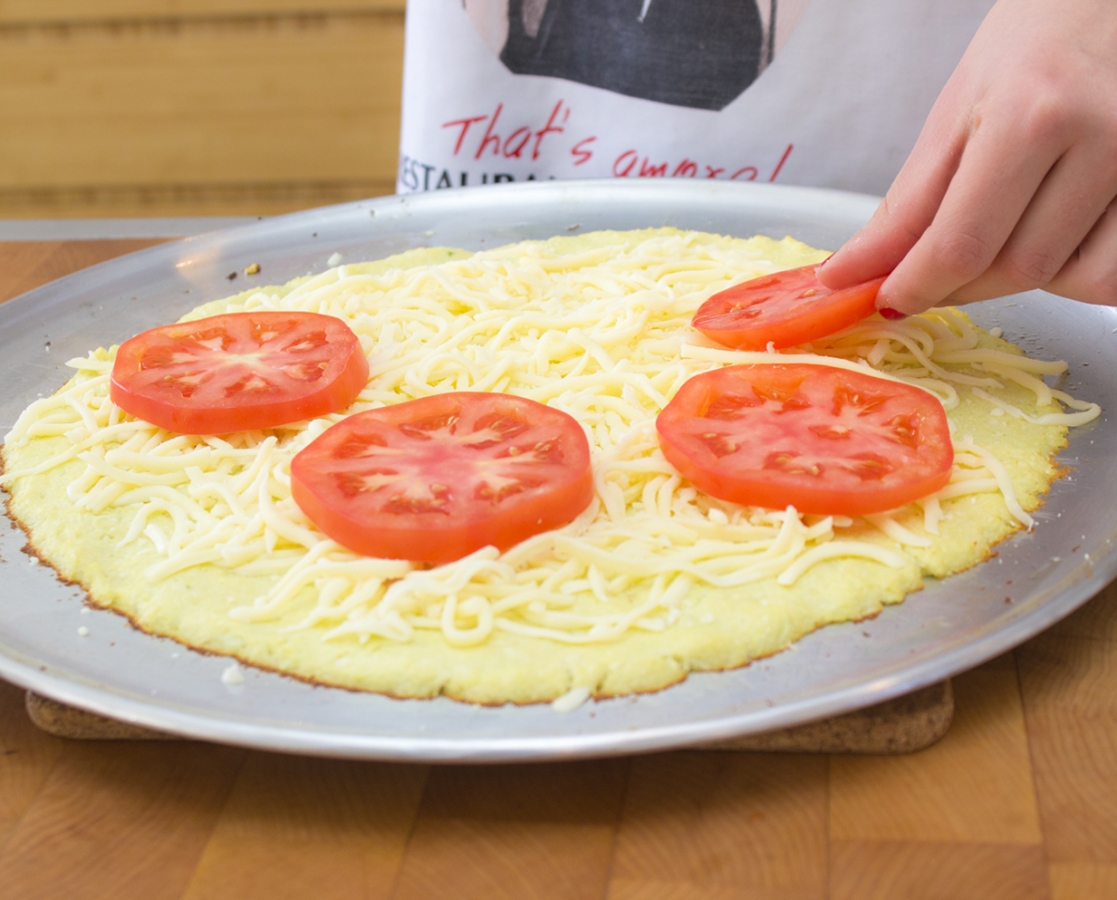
column 825, row 261
column 890, row 313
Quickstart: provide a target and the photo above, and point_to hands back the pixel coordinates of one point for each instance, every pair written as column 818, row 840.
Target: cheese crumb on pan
column 653, row 580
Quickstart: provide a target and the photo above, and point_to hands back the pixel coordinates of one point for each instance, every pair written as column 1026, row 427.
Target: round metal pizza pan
column 1034, row 580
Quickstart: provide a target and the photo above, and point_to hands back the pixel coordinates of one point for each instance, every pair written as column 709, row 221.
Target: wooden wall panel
column 239, row 113
column 237, row 101
column 39, row 11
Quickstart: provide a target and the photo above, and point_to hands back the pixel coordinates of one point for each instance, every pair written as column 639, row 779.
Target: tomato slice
column 239, row 371
column 434, row 479
column 786, row 309
column 821, row 439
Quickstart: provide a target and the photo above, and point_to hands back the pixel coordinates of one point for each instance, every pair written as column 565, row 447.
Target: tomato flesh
column 785, row 309
column 433, row 479
column 239, row 371
column 821, row 439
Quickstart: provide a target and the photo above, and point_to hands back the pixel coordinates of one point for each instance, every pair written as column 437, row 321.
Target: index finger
column 908, row 208
column 1002, row 167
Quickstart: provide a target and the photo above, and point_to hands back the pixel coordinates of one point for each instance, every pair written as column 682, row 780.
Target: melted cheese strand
column 1043, row 393
column 754, row 358
column 932, row 513
column 834, row 550
column 1001, row 476
column 901, row 535
column 999, row 357
column 1091, row 412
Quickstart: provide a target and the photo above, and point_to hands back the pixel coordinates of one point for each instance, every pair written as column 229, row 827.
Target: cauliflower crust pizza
column 644, row 571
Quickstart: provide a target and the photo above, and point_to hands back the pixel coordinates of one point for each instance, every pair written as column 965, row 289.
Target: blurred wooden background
column 196, row 107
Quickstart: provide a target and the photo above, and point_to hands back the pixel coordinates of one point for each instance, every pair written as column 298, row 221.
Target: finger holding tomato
column 1012, row 184
column 783, row 309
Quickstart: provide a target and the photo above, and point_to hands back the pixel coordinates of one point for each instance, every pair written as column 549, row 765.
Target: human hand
column 1012, row 184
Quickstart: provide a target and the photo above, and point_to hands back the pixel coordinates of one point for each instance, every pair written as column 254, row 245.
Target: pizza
column 201, row 537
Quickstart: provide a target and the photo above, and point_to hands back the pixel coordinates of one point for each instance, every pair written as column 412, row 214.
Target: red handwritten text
column 581, row 152
column 631, row 165
column 513, row 144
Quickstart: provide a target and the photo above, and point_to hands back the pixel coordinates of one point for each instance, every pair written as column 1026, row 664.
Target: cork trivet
column 903, row 725
column 70, row 722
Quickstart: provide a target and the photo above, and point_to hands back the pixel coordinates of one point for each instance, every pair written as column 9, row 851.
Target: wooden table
column 1018, row 801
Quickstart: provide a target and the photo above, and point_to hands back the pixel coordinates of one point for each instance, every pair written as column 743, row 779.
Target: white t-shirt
column 827, row 93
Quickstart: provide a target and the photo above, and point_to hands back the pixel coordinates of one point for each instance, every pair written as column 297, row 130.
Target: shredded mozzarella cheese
column 603, row 335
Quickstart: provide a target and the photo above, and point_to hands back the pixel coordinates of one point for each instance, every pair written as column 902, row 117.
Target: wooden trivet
column 903, row 725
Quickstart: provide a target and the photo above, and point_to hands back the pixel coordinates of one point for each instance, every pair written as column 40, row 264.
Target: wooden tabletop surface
column 1018, row 801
